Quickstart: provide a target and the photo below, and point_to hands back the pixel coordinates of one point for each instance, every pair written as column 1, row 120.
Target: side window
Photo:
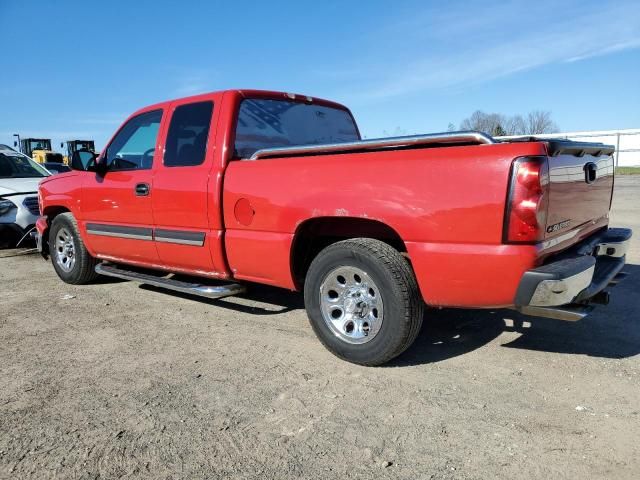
column 133, row 146
column 188, row 133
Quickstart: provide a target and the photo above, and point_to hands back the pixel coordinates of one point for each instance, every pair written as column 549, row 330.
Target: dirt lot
column 127, row 381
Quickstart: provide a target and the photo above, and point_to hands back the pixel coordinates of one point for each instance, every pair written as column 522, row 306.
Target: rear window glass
column 265, row 123
column 188, row 133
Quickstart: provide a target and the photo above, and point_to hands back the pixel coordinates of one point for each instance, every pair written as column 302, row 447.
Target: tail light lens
column 527, row 202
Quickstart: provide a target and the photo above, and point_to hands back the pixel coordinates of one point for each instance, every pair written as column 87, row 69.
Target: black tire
column 83, row 268
column 394, row 278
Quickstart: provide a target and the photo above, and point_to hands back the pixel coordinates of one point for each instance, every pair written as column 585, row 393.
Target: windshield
column 40, row 145
column 20, row 166
column 266, row 123
column 84, row 146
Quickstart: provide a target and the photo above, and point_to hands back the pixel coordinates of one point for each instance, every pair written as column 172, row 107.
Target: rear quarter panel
column 433, row 198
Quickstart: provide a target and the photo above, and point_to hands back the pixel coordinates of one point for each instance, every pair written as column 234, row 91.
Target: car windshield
column 20, row 166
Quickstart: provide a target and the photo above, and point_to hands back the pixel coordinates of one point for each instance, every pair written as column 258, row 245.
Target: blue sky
column 77, row 69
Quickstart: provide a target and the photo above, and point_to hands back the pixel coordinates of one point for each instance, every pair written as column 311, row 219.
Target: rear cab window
column 186, row 143
column 272, row 123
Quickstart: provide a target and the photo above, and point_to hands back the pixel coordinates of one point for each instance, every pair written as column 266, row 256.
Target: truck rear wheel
column 363, row 302
column 69, row 256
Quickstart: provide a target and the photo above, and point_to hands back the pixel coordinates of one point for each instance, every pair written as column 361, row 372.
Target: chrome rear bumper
column 576, row 280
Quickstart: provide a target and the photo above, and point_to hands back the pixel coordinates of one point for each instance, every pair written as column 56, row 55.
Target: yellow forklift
column 75, row 145
column 40, row 150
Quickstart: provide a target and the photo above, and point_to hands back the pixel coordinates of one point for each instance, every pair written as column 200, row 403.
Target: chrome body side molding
column 180, row 237
column 136, row 233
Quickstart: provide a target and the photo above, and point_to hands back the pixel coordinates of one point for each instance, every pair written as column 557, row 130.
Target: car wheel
column 363, row 302
column 69, row 256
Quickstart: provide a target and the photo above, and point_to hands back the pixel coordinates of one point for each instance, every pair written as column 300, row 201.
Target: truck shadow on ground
column 611, row 331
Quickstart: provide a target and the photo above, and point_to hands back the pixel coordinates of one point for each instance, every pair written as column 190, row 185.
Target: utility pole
column 18, row 144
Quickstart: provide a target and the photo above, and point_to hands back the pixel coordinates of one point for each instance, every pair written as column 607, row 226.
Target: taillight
column 527, row 201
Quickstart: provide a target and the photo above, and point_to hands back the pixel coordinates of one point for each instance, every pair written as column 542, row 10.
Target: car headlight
column 6, row 205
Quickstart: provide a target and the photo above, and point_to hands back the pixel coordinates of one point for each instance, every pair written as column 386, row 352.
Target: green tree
column 498, row 131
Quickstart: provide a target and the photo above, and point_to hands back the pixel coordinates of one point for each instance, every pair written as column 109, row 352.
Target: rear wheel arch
column 315, row 234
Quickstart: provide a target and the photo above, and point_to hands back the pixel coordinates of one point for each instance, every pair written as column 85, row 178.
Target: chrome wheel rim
column 65, row 250
column 351, row 305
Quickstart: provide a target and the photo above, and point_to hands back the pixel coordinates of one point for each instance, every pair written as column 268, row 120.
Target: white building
column 627, row 143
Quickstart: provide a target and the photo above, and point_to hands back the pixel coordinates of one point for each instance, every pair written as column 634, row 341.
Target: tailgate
column 580, row 188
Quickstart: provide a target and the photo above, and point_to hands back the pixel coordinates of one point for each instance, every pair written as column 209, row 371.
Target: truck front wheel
column 71, row 260
column 363, row 302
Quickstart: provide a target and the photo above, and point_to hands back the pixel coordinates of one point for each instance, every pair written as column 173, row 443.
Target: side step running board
column 570, row 313
column 208, row 291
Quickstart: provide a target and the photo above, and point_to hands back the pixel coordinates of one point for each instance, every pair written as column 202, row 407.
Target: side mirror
column 15, row 144
column 86, row 160
column 100, row 168
column 61, row 145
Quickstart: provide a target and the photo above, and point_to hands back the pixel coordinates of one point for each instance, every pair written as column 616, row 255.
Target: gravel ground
column 116, row 380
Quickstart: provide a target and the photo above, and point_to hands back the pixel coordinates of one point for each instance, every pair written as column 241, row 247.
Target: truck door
column 116, row 206
column 188, row 232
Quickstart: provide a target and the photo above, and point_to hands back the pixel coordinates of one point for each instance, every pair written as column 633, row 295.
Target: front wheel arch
column 50, row 213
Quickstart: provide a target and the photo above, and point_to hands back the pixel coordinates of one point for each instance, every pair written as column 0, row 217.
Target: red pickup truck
column 248, row 186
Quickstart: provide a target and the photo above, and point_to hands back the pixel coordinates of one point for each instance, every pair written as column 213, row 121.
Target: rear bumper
column 577, row 278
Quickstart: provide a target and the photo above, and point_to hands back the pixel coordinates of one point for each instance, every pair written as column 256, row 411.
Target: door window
column 134, row 145
column 188, row 133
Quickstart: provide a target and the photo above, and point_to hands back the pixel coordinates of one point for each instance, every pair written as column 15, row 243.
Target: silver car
column 19, row 178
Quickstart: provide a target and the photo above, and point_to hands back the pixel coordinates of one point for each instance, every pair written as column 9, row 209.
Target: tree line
column 536, row 122
column 496, row 124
